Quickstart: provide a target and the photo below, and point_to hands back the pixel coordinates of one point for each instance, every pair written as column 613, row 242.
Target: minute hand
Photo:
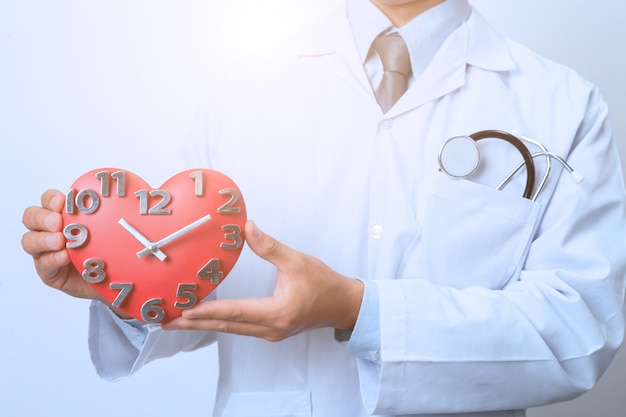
column 157, row 245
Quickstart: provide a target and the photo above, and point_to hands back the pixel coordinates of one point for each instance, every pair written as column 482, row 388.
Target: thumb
column 265, row 246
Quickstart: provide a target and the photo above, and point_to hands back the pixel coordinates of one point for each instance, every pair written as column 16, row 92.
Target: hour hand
column 147, row 243
column 157, row 245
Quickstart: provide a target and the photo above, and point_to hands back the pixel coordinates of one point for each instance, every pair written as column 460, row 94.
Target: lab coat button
column 376, row 232
column 387, row 123
column 373, row 356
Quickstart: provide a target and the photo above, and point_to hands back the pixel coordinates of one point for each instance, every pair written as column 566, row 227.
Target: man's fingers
column 40, row 219
column 44, row 225
column 48, row 216
column 265, row 246
column 48, row 264
column 245, row 310
column 248, row 317
column 225, row 326
column 36, row 243
column 242, row 316
column 53, row 200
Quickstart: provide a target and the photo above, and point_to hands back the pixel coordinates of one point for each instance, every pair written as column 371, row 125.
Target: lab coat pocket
column 268, row 404
column 474, row 235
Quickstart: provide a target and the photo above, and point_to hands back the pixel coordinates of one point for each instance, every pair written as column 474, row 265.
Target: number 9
column 76, row 234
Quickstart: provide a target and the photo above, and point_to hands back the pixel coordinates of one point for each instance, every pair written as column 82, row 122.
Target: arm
column 546, row 336
column 308, row 295
column 121, row 348
column 118, row 346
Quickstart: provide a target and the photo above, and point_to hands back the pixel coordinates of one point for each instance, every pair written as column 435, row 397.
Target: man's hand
column 46, row 244
column 308, row 295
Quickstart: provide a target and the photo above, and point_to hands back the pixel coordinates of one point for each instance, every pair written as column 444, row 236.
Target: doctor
column 383, row 286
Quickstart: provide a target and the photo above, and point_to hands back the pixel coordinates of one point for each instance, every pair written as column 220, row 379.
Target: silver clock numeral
column 120, row 179
column 198, row 177
column 103, row 176
column 185, row 291
column 159, row 207
column 233, row 233
column 124, row 288
column 151, row 311
column 211, row 271
column 142, row 195
column 69, row 201
column 76, row 234
column 229, row 206
column 94, row 270
column 86, row 201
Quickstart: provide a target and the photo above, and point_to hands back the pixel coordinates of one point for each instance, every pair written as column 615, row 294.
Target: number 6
column 151, row 312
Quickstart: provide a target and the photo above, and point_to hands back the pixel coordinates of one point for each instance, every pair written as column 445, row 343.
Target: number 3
column 233, row 233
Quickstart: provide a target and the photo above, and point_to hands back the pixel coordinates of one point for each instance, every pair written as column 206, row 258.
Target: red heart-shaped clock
column 154, row 252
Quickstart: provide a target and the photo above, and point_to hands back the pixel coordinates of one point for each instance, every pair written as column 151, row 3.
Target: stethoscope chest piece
column 459, row 156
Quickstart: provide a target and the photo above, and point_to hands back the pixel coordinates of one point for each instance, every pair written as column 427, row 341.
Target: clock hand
column 142, row 239
column 155, row 246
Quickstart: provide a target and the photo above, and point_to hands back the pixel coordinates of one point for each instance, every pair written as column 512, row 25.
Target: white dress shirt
column 423, row 35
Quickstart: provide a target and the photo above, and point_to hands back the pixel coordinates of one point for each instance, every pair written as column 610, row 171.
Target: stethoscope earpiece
column 577, row 177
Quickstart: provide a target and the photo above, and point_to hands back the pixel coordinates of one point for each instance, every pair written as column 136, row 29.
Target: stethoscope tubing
column 577, row 177
column 523, row 150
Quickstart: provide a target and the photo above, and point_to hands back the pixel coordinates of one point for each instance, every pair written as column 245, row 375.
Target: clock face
column 154, row 252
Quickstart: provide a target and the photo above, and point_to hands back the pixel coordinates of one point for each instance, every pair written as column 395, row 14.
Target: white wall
column 87, row 84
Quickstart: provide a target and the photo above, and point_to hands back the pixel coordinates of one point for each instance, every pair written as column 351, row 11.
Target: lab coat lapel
column 331, row 42
column 487, row 49
column 446, row 73
column 473, row 43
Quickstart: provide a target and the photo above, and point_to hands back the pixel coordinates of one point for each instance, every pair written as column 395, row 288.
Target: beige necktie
column 397, row 69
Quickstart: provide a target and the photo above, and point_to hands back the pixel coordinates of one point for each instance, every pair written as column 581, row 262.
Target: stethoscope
column 459, row 157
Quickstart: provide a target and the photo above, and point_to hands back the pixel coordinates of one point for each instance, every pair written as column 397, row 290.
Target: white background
column 87, row 84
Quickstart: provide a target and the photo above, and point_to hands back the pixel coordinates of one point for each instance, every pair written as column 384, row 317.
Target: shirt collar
column 485, row 48
column 423, row 35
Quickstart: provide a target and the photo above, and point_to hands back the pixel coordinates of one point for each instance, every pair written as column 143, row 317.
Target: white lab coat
column 488, row 302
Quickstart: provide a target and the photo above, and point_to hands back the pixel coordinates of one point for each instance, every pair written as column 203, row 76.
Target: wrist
column 349, row 303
